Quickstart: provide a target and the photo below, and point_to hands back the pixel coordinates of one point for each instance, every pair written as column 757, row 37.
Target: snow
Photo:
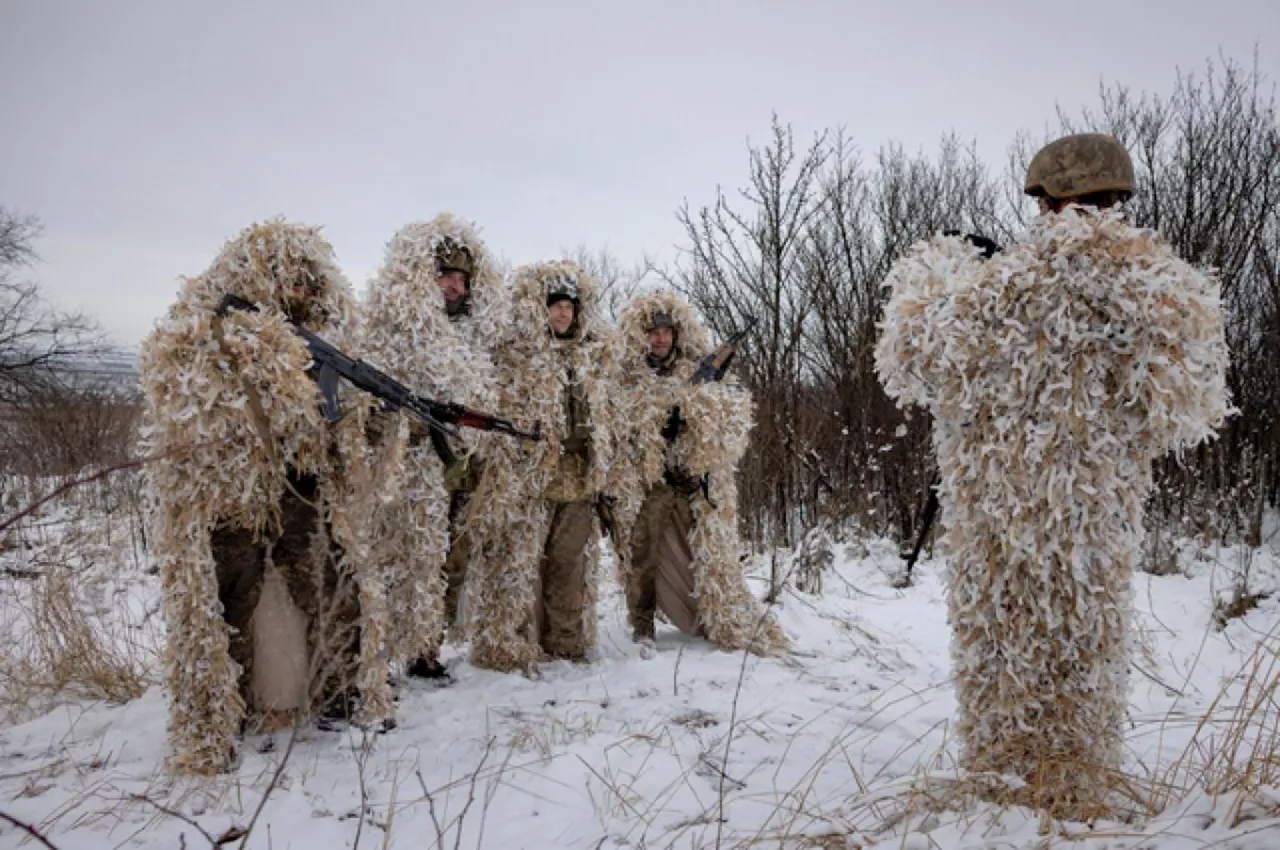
column 690, row 748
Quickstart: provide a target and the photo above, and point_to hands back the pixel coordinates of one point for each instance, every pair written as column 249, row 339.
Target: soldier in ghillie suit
column 676, row 505
column 1056, row 372
column 476, row 301
column 424, row 321
column 532, row 580
column 268, row 602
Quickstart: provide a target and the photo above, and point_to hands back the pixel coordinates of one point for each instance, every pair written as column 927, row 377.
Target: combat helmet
column 455, row 256
column 1080, row 165
column 562, row 286
column 660, row 319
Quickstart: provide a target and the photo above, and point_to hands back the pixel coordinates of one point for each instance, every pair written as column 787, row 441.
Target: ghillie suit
column 251, row 487
column 479, row 320
column 683, row 486
column 1055, row 372
column 409, row 335
column 532, row 580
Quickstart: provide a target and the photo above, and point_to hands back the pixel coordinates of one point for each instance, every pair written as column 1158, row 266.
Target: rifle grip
column 441, row 445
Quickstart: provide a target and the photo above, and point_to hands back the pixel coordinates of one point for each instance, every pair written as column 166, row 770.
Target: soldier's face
column 560, row 316
column 660, row 342
column 453, row 283
column 1048, row 205
column 303, row 289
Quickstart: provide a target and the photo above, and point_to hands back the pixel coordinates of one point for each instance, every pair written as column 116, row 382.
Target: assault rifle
column 989, row 249
column 926, row 525
column 712, row 368
column 329, row 364
column 715, row 364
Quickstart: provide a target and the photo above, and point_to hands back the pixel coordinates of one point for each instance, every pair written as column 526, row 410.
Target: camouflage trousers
column 455, row 565
column 461, row 481
column 659, row 576
column 311, row 565
column 560, row 597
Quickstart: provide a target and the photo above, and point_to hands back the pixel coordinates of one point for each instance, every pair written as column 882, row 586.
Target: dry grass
column 67, row 628
column 1235, row 748
column 1233, row 755
column 59, row 649
column 546, row 732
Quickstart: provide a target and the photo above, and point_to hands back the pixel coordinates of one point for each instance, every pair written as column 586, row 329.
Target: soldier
column 677, row 501
column 532, row 578
column 435, row 276
column 476, row 303
column 1055, row 371
column 268, row 601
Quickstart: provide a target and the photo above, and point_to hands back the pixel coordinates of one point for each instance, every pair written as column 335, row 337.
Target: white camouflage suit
column 1055, row 372
column 409, row 335
column 660, row 482
column 532, row 579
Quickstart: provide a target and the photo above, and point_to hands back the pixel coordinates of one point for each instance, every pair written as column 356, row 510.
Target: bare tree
column 52, row 422
column 871, row 215
column 1207, row 161
column 805, row 250
column 36, row 339
column 16, row 235
column 746, row 261
column 618, row 283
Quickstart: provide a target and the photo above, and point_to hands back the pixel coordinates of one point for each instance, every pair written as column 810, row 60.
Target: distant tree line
column 54, row 419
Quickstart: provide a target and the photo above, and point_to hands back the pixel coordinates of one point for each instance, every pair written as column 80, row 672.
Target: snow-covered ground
column 691, row 748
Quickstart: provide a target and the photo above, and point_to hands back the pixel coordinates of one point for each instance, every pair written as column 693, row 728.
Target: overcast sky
column 144, row 134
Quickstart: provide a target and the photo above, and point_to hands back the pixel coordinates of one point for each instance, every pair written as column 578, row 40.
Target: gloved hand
column 418, row 431
column 989, row 247
column 380, row 426
column 463, row 474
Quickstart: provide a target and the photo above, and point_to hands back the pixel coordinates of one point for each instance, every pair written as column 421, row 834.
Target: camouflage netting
column 509, row 517
column 1055, row 373
column 408, row 335
column 718, row 419
column 228, row 405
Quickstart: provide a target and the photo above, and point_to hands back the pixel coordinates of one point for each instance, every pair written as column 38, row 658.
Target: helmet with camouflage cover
column 1079, row 165
column 452, row 255
column 660, row 318
column 562, row 286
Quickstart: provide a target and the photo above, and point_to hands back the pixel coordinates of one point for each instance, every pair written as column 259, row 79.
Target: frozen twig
column 275, row 780
column 361, row 758
column 89, row 479
column 30, row 830
column 456, row 824
column 231, row 834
